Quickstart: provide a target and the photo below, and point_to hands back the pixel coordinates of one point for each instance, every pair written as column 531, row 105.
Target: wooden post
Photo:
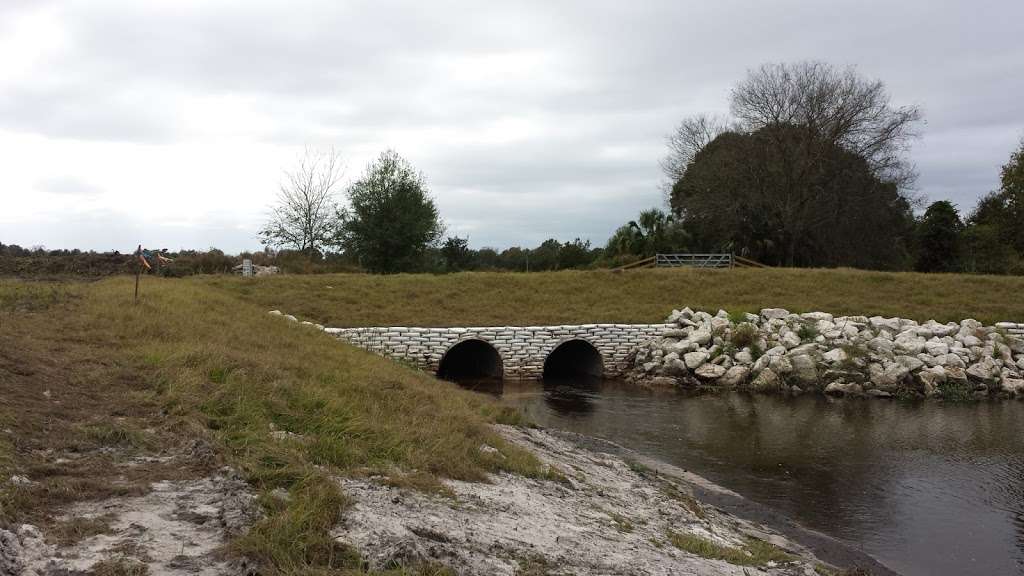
column 138, row 271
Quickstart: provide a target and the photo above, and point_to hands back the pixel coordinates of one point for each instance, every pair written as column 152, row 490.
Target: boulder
column 936, row 347
column 835, row 356
column 969, row 340
column 890, row 324
column 718, row 323
column 1014, row 386
column 774, row 313
column 805, row 370
column 841, row 388
column 744, row 356
column 954, row 360
column 892, row 376
column 881, row 345
column 695, row 359
column 710, row 371
column 909, row 344
column 780, row 364
column 956, row 375
column 700, row 336
column 910, row 362
column 985, row 371
column 790, row 339
column 662, row 382
column 675, row 367
column 734, row 376
column 766, row 381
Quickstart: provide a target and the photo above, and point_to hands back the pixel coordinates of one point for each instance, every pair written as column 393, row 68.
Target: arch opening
column 573, row 359
column 470, row 360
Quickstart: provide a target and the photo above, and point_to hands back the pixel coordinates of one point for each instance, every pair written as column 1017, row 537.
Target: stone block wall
column 1012, row 328
column 523, row 349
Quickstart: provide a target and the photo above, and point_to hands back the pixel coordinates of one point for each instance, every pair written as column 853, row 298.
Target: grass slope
column 193, row 363
column 482, row 298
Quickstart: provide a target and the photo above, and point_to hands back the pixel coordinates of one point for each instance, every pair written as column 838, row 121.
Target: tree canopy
column 391, row 219
column 809, row 171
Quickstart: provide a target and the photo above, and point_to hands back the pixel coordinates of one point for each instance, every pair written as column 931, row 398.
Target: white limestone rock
column 986, row 370
column 910, row 362
column 936, row 347
column 804, row 370
column 842, row 388
column 774, row 313
column 790, row 339
column 835, row 356
column 890, row 324
column 1014, row 386
column 710, row 371
column 694, row 360
column 700, row 337
column 766, row 381
column 734, row 376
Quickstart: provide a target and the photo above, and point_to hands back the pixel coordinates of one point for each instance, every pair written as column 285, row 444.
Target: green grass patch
column 754, row 553
column 952, row 391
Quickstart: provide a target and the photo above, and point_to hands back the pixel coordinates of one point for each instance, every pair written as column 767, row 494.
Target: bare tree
column 690, row 137
column 305, row 216
column 838, row 106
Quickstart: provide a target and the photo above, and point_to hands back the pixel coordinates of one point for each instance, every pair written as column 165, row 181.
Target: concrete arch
column 574, row 358
column 470, row 359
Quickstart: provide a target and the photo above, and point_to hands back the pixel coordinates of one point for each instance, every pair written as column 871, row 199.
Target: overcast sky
column 169, row 123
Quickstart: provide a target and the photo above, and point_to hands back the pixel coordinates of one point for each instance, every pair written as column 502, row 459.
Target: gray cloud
column 593, row 87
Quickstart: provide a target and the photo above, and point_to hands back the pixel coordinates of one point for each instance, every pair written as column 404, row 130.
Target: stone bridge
column 509, row 351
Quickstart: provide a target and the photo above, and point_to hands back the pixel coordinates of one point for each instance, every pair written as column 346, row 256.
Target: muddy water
column 926, row 488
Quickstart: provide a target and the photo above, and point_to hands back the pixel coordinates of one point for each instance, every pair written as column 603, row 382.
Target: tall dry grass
column 225, row 366
column 495, row 298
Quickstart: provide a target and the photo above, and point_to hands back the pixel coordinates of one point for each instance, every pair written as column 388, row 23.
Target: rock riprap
column 778, row 351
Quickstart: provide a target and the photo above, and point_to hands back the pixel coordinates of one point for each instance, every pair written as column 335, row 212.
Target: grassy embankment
column 91, row 379
column 199, row 369
column 480, row 298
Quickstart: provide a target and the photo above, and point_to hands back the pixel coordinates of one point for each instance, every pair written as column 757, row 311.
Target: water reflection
column 926, row 488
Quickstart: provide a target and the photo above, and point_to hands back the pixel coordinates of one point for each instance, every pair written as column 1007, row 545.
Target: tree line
column 808, row 169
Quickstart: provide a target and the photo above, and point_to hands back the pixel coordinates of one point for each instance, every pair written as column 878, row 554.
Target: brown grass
column 192, row 362
column 495, row 298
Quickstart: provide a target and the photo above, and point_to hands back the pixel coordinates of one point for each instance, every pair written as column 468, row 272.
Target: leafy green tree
column 939, row 239
column 1003, row 210
column 545, row 256
column 783, row 197
column 575, row 254
column 515, row 258
column 456, row 254
column 486, row 259
column 653, row 232
column 391, row 220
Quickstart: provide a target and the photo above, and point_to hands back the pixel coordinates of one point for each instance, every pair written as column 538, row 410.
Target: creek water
column 926, row 488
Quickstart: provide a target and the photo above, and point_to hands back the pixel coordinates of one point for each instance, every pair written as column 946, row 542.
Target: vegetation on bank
column 193, row 366
column 638, row 296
